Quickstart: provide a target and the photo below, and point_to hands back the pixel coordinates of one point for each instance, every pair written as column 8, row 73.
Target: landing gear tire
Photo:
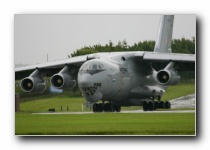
column 156, row 105
column 95, row 107
column 151, row 106
column 100, row 107
column 117, row 108
column 148, row 106
column 162, row 105
column 167, row 105
column 107, row 107
column 145, row 106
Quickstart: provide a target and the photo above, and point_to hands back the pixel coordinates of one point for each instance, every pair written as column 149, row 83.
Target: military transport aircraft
column 116, row 78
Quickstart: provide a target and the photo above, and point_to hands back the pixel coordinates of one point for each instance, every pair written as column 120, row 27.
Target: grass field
column 102, row 123
column 178, row 91
column 106, row 124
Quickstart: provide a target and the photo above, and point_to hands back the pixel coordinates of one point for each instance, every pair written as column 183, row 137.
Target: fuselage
column 119, row 80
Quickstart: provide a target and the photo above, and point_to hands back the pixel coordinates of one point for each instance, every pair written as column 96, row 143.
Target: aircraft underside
column 149, row 104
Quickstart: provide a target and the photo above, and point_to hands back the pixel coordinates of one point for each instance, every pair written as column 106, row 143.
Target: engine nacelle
column 63, row 81
column 33, row 84
column 168, row 77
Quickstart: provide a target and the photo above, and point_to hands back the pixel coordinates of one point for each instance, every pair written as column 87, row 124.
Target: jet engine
column 63, row 80
column 33, row 84
column 167, row 77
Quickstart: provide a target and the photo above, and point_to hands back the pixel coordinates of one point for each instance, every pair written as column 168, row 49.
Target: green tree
column 178, row 46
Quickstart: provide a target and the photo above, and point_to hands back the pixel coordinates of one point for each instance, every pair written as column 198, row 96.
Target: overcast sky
column 36, row 36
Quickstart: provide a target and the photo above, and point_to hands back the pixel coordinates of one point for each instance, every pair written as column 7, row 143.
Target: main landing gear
column 107, row 107
column 153, row 105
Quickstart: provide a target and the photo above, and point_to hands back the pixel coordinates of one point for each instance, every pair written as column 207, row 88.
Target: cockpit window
column 99, row 67
column 93, row 67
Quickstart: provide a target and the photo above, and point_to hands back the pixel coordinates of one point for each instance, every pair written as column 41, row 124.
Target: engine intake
column 167, row 77
column 62, row 81
column 33, row 84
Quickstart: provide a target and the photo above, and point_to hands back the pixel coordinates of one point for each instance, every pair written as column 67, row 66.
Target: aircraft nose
column 88, row 88
column 85, row 80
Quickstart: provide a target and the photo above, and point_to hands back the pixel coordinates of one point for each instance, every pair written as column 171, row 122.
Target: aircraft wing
column 166, row 57
column 183, row 62
column 158, row 60
column 50, row 67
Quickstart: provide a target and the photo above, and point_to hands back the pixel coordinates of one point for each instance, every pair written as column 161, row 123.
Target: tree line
column 182, row 45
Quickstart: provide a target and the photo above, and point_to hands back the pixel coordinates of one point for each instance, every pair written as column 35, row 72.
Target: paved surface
column 184, row 102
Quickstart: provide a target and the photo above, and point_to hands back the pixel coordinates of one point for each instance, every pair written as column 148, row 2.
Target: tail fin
column 163, row 42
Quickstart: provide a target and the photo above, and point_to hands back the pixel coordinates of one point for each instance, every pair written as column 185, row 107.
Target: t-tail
column 164, row 38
